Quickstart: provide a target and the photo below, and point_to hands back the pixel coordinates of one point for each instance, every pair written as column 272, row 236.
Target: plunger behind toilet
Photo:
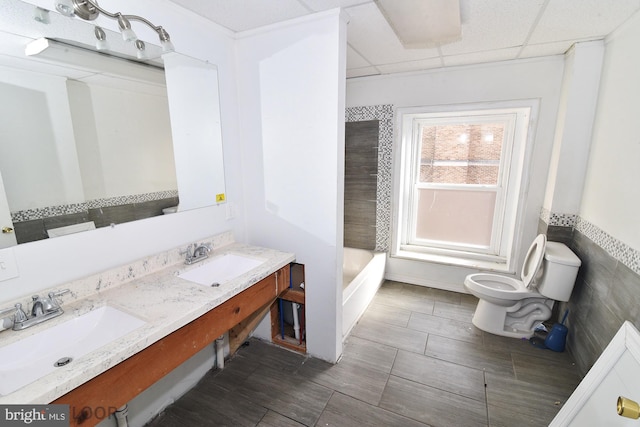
column 557, row 337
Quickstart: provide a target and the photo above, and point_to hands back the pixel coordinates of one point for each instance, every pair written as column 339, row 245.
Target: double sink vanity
column 124, row 329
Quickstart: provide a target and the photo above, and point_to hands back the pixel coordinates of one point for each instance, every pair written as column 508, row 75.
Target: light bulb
column 128, row 34
column 141, row 50
column 101, row 39
column 165, row 40
column 65, row 7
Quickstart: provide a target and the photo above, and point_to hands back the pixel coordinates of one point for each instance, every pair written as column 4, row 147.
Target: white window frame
column 513, row 174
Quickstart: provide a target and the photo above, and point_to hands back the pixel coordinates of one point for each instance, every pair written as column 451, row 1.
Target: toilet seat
column 503, row 290
column 533, row 260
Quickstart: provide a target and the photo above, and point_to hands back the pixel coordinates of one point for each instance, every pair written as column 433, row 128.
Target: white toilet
column 513, row 308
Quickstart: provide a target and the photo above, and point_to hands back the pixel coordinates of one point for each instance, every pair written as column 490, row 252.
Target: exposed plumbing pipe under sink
column 296, row 321
column 121, row 416
column 220, row 352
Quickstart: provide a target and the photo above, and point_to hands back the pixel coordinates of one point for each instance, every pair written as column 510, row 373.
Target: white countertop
column 148, row 289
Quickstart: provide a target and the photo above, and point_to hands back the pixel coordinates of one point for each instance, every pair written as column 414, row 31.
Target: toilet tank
column 559, row 271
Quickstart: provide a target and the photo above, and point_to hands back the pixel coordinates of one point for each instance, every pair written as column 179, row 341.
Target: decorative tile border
column 134, row 198
column 562, row 220
column 384, row 114
column 50, row 211
column 614, row 247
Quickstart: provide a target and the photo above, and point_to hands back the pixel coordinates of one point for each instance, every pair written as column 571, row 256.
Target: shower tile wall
column 384, row 115
column 360, row 184
column 606, row 292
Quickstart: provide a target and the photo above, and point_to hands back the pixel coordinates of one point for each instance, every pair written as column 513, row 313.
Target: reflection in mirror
column 84, row 144
column 84, row 151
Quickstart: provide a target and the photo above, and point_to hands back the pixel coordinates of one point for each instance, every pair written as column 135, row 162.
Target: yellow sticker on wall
column 220, row 198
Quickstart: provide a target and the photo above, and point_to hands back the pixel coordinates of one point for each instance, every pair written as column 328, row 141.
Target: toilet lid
column 533, row 260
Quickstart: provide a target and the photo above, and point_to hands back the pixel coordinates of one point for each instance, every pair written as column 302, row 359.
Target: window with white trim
column 460, row 175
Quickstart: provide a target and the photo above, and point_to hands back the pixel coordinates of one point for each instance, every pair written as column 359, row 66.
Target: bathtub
column 362, row 274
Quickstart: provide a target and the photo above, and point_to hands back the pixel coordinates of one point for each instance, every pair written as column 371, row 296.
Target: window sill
column 479, row 264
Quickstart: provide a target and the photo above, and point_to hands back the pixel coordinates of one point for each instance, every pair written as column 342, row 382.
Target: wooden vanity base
column 98, row 398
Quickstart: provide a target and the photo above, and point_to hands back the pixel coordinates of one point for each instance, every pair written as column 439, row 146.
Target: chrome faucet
column 197, row 252
column 7, row 316
column 43, row 308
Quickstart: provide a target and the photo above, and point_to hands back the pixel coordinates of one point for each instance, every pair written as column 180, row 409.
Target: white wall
column 291, row 93
column 53, row 262
column 538, row 79
column 611, row 197
column 579, row 97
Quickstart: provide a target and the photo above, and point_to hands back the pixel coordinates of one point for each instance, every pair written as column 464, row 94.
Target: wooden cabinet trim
column 121, row 383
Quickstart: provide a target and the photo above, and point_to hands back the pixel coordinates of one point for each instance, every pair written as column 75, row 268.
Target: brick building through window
column 460, row 176
column 461, row 154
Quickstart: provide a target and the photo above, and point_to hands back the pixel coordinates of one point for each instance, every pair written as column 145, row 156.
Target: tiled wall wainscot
column 606, row 290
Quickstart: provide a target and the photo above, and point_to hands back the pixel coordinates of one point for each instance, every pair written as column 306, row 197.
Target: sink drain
column 62, row 361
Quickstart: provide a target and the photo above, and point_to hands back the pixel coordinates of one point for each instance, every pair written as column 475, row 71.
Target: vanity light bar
column 89, row 11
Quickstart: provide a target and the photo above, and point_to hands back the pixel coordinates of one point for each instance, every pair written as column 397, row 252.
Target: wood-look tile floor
column 414, row 359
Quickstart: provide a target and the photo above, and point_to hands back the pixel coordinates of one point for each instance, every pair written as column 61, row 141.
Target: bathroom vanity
column 180, row 319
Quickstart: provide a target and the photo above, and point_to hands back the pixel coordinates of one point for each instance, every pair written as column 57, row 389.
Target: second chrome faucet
column 196, row 252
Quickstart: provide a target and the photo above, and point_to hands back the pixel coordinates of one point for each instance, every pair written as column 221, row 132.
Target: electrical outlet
column 8, row 266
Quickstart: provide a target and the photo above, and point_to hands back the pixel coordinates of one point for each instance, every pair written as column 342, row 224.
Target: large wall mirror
column 90, row 139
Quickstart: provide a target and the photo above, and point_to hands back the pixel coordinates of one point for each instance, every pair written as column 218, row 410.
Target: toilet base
column 517, row 321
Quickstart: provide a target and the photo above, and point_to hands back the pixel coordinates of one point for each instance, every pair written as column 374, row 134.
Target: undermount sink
column 221, row 269
column 35, row 356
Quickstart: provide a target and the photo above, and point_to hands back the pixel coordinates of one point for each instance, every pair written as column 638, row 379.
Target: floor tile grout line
column 486, row 396
column 513, row 365
column 381, row 407
column 433, row 387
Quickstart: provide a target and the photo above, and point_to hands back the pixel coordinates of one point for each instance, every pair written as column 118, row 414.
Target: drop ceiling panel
column 481, row 57
column 403, row 67
column 545, row 49
column 370, row 34
column 422, row 23
column 492, row 30
column 494, row 24
column 581, row 19
column 241, row 15
column 355, row 60
column 361, row 72
column 320, row 5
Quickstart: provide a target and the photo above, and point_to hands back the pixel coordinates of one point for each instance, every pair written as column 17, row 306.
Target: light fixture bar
column 89, row 10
